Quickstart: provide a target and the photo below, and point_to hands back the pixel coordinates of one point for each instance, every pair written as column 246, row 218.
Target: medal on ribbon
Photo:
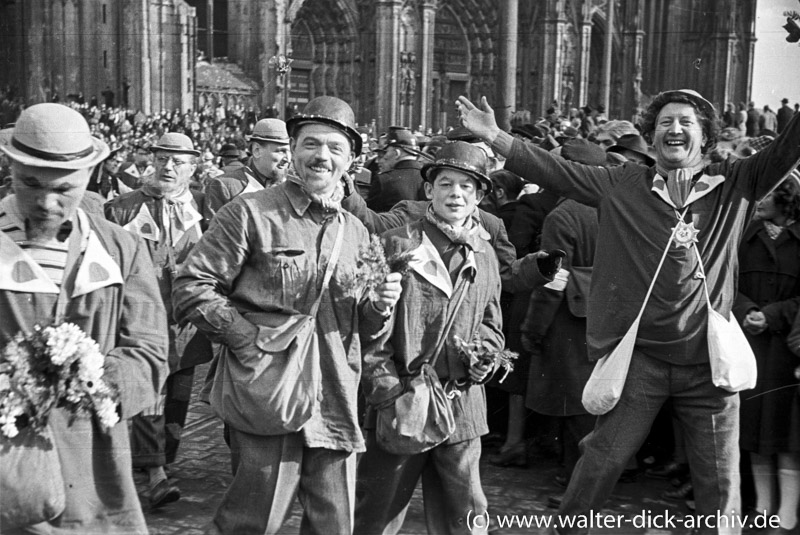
column 685, row 234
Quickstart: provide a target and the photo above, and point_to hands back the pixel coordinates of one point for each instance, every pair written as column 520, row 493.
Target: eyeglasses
column 164, row 160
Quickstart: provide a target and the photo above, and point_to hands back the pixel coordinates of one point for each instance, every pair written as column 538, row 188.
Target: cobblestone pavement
column 202, row 472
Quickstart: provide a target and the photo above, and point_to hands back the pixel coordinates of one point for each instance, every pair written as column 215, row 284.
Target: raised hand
column 479, row 121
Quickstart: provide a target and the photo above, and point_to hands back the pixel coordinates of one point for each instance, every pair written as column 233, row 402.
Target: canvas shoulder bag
column 422, row 417
column 604, row 387
column 277, row 392
column 733, row 364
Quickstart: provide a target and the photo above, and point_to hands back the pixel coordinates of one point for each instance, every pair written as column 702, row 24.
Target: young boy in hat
column 165, row 213
column 52, row 252
column 450, row 255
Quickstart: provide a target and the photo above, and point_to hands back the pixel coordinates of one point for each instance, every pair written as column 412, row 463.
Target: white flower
column 63, row 342
column 9, row 429
column 8, row 417
column 106, row 410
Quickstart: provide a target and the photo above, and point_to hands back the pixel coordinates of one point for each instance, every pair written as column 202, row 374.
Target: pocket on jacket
column 285, row 272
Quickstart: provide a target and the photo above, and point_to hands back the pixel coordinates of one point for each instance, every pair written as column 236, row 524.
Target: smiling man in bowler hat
column 265, row 257
column 639, row 207
column 269, row 146
column 56, row 257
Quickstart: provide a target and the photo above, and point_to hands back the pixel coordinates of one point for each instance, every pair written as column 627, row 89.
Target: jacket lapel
column 428, row 264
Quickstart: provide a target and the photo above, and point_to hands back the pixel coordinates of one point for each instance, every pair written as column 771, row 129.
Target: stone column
column 584, row 58
column 608, row 56
column 426, row 63
column 507, row 101
column 387, row 62
column 551, row 57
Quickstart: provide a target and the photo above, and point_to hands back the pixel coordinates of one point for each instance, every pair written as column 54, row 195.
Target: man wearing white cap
column 663, row 219
column 165, row 213
column 269, row 146
column 60, row 264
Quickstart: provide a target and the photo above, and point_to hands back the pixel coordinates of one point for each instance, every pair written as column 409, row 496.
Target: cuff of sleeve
column 503, row 143
column 241, row 333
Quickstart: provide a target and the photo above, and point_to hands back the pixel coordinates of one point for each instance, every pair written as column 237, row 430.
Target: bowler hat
column 529, row 131
column 784, row 100
column 331, row 111
column 175, row 142
column 462, row 133
column 634, row 143
column 583, row 151
column 402, row 137
column 461, row 156
column 229, row 150
column 271, row 131
column 54, row 136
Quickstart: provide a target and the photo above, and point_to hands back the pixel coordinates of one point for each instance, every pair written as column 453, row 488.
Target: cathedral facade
column 396, row 61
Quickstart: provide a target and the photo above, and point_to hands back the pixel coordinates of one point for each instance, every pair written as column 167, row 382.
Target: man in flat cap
column 399, row 178
column 165, row 213
column 269, row 146
column 680, row 210
column 785, row 114
column 133, row 175
column 269, row 256
column 60, row 264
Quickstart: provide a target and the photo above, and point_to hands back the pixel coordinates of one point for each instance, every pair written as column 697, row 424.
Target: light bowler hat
column 175, row 142
column 271, row 131
column 54, row 136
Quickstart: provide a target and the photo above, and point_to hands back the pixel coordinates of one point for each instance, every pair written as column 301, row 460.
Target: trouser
column 271, row 471
column 155, row 437
column 574, row 429
column 451, row 488
column 709, row 417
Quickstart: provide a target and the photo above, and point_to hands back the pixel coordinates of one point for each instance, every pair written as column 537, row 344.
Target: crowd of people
column 220, row 237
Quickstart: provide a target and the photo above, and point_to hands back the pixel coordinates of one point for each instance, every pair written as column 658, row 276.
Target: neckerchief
column 177, row 213
column 332, row 203
column 460, row 235
column 680, row 182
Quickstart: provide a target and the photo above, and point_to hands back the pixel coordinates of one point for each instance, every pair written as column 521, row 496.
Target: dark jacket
column 403, row 183
column 769, row 281
column 556, row 319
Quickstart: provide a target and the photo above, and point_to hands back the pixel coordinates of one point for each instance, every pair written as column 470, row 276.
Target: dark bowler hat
column 175, row 142
column 229, row 150
column 464, row 157
column 402, row 137
column 54, row 136
column 270, row 131
column 462, row 133
column 583, row 151
column 784, row 100
column 634, row 143
column 529, row 131
column 331, row 111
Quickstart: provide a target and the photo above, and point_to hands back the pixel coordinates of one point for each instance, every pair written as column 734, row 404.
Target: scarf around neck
column 332, row 203
column 460, row 235
column 679, row 181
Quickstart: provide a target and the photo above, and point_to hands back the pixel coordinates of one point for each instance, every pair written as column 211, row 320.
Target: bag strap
column 660, row 265
column 326, row 279
column 702, row 270
column 462, row 292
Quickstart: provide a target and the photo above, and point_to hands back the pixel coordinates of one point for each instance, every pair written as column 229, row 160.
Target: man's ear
column 499, row 192
column 479, row 195
column 428, row 189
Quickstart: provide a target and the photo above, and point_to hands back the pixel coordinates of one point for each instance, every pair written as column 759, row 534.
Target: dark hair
column 708, row 121
column 511, row 183
column 787, row 198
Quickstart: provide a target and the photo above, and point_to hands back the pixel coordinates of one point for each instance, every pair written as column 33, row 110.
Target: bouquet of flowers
column 477, row 351
column 56, row 366
column 373, row 266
